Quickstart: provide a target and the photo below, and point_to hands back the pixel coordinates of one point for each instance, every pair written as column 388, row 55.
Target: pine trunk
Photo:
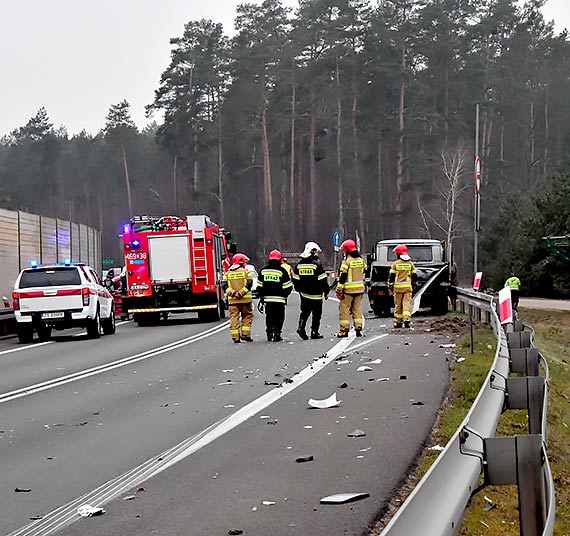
column 128, row 181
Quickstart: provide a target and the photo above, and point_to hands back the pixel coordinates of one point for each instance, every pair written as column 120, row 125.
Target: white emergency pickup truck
column 61, row 297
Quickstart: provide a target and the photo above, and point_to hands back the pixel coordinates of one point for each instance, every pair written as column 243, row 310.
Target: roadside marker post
column 505, row 306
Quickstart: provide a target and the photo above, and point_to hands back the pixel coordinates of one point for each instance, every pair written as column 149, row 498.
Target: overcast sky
column 78, row 57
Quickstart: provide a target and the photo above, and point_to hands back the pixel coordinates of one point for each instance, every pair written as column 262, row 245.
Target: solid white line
column 66, row 514
column 80, row 375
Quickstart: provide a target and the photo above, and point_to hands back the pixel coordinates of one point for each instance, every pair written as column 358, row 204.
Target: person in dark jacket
column 310, row 281
column 274, row 286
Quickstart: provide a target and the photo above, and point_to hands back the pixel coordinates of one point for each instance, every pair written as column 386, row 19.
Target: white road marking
column 66, row 514
column 80, row 375
column 39, row 344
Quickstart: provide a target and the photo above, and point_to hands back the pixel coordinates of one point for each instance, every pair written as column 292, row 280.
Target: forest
column 349, row 115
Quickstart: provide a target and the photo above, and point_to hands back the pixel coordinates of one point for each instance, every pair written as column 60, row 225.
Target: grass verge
column 552, row 338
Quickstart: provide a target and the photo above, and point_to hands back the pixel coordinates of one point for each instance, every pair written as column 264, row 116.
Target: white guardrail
column 437, row 505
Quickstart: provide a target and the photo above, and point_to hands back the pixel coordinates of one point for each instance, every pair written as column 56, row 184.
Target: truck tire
column 44, row 333
column 439, row 306
column 94, row 326
column 108, row 324
column 25, row 334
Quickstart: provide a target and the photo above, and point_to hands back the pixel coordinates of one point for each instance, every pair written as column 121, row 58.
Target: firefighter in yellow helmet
column 350, row 289
column 237, row 285
column 401, row 280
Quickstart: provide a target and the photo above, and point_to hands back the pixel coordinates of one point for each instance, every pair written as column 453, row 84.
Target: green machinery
column 558, row 245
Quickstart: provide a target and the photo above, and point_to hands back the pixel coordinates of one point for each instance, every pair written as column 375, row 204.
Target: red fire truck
column 174, row 265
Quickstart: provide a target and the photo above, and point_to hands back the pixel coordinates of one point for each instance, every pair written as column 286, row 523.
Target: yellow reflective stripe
column 235, row 275
column 234, row 331
column 312, row 296
column 403, row 267
column 398, row 315
column 274, row 299
column 322, row 276
column 288, row 284
column 245, row 329
column 401, row 284
column 344, row 323
column 295, row 276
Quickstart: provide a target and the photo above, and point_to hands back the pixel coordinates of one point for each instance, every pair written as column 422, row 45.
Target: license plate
column 56, row 314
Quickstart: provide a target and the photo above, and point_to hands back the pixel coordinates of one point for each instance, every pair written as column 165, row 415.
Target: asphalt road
column 543, row 303
column 180, row 411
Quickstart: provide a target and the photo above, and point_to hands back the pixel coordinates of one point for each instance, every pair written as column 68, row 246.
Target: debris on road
column 303, row 459
column 343, row 385
column 343, row 498
column 375, row 362
column 227, row 382
column 329, row 402
column 268, row 503
column 357, row 433
column 87, row 510
column 403, row 377
column 129, row 497
column 267, row 382
column 416, row 402
column 235, row 532
column 36, row 518
column 343, row 362
column 490, row 504
column 436, row 447
column 227, row 370
column 274, row 421
column 460, row 359
column 22, row 490
column 451, row 345
column 383, row 379
column 364, row 369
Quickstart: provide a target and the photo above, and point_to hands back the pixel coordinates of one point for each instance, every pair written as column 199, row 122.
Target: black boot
column 316, row 334
column 269, row 335
column 301, row 329
column 277, row 336
column 358, row 332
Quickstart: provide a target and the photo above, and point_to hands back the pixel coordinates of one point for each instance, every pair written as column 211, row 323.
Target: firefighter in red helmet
column 237, row 285
column 274, row 286
column 401, row 280
column 350, row 289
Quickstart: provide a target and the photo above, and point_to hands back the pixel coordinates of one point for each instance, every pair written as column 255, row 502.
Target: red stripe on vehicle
column 40, row 293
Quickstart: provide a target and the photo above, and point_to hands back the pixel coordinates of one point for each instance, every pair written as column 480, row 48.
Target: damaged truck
column 432, row 261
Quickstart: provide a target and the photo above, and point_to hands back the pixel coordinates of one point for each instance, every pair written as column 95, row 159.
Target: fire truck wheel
column 25, row 334
column 44, row 333
column 108, row 324
column 94, row 327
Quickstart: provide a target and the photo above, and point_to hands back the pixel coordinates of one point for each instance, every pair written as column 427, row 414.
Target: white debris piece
column 460, row 359
column 375, row 362
column 87, row 510
column 364, row 369
column 268, row 503
column 451, row 345
column 436, row 447
column 342, row 498
column 329, row 402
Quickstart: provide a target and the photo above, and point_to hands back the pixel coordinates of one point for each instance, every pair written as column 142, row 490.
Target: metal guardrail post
column 527, row 393
column 525, row 361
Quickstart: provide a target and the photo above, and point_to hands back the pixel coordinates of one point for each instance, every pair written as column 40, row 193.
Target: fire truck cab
column 174, row 265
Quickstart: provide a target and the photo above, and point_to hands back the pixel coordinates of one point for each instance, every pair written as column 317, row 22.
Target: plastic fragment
column 87, row 510
column 329, row 402
column 460, row 359
column 343, row 498
column 129, row 497
column 357, row 433
column 383, row 379
column 268, row 503
column 267, row 382
column 436, row 447
column 375, row 362
column 22, row 490
column 403, row 377
column 364, row 369
column 303, row 459
column 343, row 385
column 451, row 345
column 235, row 532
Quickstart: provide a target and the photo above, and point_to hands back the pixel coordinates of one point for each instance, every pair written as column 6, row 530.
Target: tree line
column 346, row 115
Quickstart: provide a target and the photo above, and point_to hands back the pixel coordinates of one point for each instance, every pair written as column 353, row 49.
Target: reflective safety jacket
column 514, row 283
column 402, row 275
column 289, row 269
column 237, row 285
column 310, row 279
column 351, row 278
column 274, row 284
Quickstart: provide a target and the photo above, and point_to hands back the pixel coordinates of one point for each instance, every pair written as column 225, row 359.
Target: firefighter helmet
column 275, row 255
column 401, row 249
column 310, row 249
column 348, row 246
column 239, row 258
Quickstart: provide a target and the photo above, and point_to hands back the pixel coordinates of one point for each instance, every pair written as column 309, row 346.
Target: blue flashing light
column 135, row 244
column 67, row 262
column 126, row 228
column 34, row 264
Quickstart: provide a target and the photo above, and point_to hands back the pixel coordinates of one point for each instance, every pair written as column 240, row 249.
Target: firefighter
column 237, row 285
column 350, row 289
column 400, row 282
column 273, row 286
column 310, row 281
column 514, row 283
column 287, row 267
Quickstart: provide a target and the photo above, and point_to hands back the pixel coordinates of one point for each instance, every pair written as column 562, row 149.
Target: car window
column 50, row 277
column 416, row 253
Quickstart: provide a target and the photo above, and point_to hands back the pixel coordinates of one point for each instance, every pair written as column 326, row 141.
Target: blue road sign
column 336, row 239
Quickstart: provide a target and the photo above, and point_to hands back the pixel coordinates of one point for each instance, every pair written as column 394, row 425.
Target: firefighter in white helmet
column 310, row 281
column 237, row 285
column 350, row 289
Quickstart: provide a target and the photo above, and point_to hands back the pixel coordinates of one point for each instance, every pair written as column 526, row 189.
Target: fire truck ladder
column 199, row 261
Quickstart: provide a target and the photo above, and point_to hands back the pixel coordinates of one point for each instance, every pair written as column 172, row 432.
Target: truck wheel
column 44, row 333
column 439, row 306
column 94, row 327
column 25, row 334
column 108, row 324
